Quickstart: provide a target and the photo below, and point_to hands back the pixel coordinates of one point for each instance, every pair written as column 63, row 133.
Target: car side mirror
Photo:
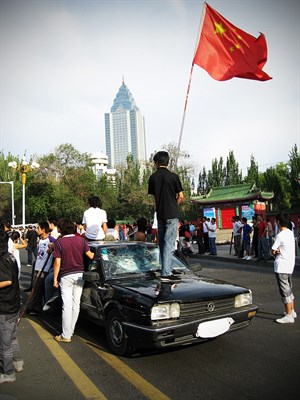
column 91, row 276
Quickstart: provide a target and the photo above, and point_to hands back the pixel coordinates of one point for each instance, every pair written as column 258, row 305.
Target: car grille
column 207, row 307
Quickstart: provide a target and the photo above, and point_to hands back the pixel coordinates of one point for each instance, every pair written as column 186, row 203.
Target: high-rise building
column 124, row 130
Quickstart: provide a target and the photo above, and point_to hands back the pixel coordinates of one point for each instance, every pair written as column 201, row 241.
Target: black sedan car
column 124, row 294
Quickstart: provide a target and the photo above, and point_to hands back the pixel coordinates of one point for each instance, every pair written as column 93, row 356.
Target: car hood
column 187, row 289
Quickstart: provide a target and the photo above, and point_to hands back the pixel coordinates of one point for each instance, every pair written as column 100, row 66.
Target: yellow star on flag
column 219, row 28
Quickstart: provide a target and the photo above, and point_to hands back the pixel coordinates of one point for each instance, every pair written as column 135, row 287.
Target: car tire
column 115, row 334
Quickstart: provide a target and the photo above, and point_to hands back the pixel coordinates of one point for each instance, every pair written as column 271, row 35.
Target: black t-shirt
column 9, row 295
column 165, row 185
column 31, row 236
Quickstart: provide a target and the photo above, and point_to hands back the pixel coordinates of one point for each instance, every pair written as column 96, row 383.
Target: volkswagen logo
column 210, row 307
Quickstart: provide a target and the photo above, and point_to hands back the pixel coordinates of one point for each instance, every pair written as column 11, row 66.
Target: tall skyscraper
column 124, row 130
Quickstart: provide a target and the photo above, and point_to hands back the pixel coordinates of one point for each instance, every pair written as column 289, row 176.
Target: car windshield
column 141, row 259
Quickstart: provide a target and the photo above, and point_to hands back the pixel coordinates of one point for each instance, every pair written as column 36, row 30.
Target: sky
column 63, row 62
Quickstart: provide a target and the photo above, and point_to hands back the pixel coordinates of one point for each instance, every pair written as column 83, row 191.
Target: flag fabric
column 226, row 51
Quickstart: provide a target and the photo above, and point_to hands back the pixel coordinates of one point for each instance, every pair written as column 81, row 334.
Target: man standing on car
column 167, row 190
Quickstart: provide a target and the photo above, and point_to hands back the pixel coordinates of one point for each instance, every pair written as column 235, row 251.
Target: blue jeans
column 212, row 246
column 50, row 291
column 31, row 251
column 263, row 248
column 167, row 232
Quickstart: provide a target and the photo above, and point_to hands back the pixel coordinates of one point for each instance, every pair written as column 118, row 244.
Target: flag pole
column 189, row 84
column 184, row 113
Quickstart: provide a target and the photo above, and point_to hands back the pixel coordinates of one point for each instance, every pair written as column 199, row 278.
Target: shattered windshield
column 127, row 259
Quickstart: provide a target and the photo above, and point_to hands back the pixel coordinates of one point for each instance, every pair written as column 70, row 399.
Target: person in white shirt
column 284, row 251
column 205, row 235
column 53, row 228
column 212, row 235
column 42, row 267
column 237, row 235
column 112, row 232
column 95, row 220
column 17, row 243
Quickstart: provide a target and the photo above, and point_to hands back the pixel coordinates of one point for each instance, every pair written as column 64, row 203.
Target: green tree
column 106, row 189
column 202, row 182
column 6, row 175
column 216, row 175
column 132, row 189
column 252, row 172
column 65, row 157
column 294, row 176
column 276, row 180
column 232, row 174
column 69, row 181
column 65, row 180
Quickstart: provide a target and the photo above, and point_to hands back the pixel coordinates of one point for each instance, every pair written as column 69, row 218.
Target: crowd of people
column 255, row 241
column 56, row 251
column 251, row 240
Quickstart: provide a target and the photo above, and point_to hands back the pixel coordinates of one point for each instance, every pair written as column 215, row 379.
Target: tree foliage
column 252, row 172
column 65, row 180
column 220, row 175
column 275, row 179
column 294, row 176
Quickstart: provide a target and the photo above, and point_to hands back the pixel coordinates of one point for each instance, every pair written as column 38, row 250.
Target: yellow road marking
column 148, row 390
column 81, row 381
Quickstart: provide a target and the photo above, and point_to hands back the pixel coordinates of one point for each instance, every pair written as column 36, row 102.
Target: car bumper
column 181, row 332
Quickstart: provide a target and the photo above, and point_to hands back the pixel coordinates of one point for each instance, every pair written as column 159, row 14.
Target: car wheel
column 115, row 334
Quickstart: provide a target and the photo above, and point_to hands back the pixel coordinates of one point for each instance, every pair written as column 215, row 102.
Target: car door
column 93, row 293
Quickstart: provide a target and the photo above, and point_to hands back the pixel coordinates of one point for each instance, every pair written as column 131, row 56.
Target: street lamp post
column 24, row 167
column 12, row 202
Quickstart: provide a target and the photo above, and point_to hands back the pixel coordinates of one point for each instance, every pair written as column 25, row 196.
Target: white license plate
column 210, row 329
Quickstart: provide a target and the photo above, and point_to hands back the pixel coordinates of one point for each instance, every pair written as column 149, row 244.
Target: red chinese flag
column 226, row 51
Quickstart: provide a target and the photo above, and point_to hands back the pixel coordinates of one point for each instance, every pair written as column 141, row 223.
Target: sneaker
column 245, row 258
column 29, row 265
column 294, row 314
column 18, row 365
column 249, row 258
column 287, row 319
column 5, row 378
column 170, row 278
column 59, row 338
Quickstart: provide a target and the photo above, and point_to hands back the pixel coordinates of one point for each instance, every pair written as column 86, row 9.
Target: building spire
column 123, row 79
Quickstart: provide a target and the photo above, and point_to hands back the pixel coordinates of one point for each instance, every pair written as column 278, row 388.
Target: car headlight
column 242, row 300
column 165, row 311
